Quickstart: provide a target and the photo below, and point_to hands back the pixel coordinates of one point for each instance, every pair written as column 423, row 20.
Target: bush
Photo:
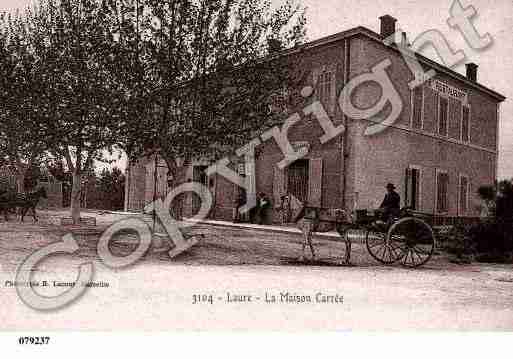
column 491, row 241
column 456, row 241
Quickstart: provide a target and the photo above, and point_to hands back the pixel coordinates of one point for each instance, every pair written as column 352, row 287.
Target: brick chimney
column 387, row 25
column 404, row 40
column 472, row 71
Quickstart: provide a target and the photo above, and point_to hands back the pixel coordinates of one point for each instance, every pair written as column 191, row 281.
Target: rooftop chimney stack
column 387, row 25
column 472, row 71
column 404, row 40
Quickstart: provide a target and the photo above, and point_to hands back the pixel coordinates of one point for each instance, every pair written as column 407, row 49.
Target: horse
column 321, row 220
column 6, row 203
column 22, row 201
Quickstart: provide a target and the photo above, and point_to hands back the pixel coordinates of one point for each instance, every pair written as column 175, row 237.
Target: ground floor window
column 298, row 179
column 199, row 176
column 442, row 192
column 412, row 198
column 463, row 194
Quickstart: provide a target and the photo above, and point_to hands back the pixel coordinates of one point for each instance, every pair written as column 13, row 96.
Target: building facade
column 441, row 147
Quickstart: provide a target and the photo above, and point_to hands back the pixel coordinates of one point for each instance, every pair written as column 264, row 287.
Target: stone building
column 441, row 147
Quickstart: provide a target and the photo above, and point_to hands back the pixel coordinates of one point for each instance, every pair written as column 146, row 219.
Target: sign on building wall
column 241, row 169
column 444, row 88
column 449, row 91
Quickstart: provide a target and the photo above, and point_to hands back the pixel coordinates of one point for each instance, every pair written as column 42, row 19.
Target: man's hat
column 390, row 186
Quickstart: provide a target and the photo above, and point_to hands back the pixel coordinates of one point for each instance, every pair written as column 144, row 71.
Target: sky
column 326, row 17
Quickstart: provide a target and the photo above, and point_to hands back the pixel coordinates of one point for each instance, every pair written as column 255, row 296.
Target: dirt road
column 158, row 294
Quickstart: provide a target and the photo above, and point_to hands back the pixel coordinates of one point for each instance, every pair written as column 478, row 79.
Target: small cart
column 407, row 239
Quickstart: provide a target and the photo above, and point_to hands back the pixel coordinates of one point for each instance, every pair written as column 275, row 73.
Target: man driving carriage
column 391, row 206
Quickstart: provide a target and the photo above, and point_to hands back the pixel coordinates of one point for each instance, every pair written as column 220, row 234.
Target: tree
column 499, row 198
column 21, row 145
column 73, row 49
column 488, row 195
column 495, row 236
column 504, row 206
column 182, row 78
column 211, row 73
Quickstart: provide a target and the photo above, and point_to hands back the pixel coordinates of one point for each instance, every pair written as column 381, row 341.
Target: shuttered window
column 464, row 192
column 465, row 124
column 199, row 176
column 443, row 109
column 324, row 88
column 442, row 201
column 417, row 103
column 412, row 198
column 298, row 179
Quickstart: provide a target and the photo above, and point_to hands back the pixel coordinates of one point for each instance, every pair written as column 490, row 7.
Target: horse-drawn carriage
column 407, row 239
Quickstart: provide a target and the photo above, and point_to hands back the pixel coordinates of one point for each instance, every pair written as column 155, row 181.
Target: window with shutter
column 199, row 176
column 412, row 197
column 442, row 203
column 465, row 124
column 443, row 109
column 324, row 88
column 418, row 104
column 463, row 196
column 297, row 180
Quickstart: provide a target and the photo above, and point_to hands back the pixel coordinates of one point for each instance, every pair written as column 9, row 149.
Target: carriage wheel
column 414, row 239
column 380, row 249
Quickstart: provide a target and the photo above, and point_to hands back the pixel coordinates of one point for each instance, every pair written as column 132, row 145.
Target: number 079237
column 34, row 340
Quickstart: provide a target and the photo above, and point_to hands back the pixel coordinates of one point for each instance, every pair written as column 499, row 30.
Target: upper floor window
column 465, row 124
column 324, row 88
column 280, row 100
column 443, row 115
column 417, row 107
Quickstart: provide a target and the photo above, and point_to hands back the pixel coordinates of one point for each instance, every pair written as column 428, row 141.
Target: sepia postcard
column 247, row 165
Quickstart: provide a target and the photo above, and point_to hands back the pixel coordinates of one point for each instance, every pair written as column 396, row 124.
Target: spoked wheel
column 414, row 240
column 380, row 249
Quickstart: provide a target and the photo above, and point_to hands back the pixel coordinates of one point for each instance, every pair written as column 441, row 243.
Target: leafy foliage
column 493, row 239
column 205, row 76
column 186, row 78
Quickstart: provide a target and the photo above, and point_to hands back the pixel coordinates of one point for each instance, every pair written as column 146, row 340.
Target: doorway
column 298, row 179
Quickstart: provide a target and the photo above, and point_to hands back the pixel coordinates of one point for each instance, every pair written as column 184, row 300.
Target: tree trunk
column 76, row 194
column 127, row 188
column 173, row 173
column 20, row 178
